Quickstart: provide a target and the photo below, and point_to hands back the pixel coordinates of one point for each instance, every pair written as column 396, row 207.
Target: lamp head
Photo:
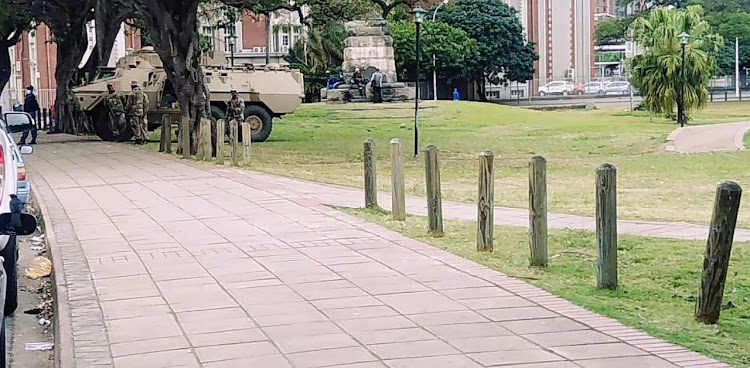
column 684, row 38
column 418, row 14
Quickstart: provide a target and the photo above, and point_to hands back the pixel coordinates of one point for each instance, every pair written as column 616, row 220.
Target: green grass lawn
column 658, row 278
column 324, row 143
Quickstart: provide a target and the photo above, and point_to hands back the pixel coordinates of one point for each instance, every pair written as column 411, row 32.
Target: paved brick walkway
column 708, row 138
column 160, row 263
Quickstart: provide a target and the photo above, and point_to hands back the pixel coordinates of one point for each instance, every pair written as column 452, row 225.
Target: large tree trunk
column 481, row 88
column 70, row 51
column 174, row 30
column 6, row 65
column 67, row 21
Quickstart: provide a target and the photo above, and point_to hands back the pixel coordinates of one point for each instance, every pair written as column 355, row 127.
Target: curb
column 64, row 353
column 671, row 138
column 739, row 139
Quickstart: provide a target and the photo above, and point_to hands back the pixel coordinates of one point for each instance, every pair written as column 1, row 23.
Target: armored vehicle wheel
column 217, row 114
column 260, row 122
column 100, row 120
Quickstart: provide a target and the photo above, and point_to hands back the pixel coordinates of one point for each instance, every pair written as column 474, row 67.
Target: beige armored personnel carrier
column 269, row 92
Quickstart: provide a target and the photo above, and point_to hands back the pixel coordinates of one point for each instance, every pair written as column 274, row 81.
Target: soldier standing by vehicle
column 115, row 102
column 236, row 108
column 136, row 109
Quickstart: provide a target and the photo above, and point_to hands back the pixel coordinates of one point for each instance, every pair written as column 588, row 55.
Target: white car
column 556, row 88
column 618, row 88
column 10, row 210
column 594, row 88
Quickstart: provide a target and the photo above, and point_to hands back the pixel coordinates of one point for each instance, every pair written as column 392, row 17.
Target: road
column 560, row 101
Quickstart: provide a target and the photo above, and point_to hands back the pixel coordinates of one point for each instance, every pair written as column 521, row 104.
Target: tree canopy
column 657, row 72
column 455, row 52
column 504, row 51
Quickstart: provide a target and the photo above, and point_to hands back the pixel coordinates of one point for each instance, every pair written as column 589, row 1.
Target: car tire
column 10, row 265
column 542, row 94
column 565, row 93
column 260, row 119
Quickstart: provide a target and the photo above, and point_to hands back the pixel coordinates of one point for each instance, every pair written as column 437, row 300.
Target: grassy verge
column 324, row 143
column 659, row 280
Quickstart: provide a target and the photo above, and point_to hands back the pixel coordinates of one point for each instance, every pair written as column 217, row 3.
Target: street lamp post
column 434, row 59
column 418, row 13
column 681, row 114
column 232, row 38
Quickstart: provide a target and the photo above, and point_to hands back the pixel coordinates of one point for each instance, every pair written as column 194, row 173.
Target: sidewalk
column 160, row 263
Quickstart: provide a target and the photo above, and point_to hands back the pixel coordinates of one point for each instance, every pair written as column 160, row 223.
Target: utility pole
column 737, row 67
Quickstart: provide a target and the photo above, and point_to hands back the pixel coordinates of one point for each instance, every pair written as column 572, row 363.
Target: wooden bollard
column 398, row 196
column 204, row 144
column 718, row 251
column 44, row 119
column 221, row 126
column 434, row 195
column 247, row 143
column 165, row 145
column 486, row 203
column 606, row 226
column 538, row 211
column 184, row 138
column 371, row 175
column 233, row 142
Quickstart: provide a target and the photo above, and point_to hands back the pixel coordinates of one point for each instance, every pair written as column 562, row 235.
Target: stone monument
column 369, row 45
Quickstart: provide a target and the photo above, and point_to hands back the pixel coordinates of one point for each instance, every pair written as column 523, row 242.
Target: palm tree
column 322, row 49
column 657, row 72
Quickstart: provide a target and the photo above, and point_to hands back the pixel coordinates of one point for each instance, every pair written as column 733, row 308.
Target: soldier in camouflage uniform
column 235, row 108
column 115, row 102
column 136, row 109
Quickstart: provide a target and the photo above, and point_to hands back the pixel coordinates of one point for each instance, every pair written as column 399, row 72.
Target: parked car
column 556, row 88
column 618, row 88
column 11, row 215
column 594, row 88
column 14, row 123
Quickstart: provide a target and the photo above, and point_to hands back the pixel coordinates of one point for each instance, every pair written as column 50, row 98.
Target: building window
column 208, row 36
column 285, row 41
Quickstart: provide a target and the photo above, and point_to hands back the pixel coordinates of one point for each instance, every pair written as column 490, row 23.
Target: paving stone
column 447, row 318
column 397, row 335
column 627, row 362
column 269, row 361
column 412, row 349
column 466, row 330
column 295, row 344
column 515, row 357
column 514, row 314
column 584, row 337
column 420, row 302
column 149, row 346
column 235, row 351
column 592, row 351
column 331, row 357
column 227, row 337
column 446, row 361
column 491, row 343
column 165, row 359
column 533, row 326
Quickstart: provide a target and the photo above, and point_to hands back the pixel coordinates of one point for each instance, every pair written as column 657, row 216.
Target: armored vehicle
column 269, row 92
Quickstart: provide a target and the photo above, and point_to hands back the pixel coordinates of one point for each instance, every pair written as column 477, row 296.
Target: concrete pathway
column 161, row 263
column 709, row 138
column 352, row 197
